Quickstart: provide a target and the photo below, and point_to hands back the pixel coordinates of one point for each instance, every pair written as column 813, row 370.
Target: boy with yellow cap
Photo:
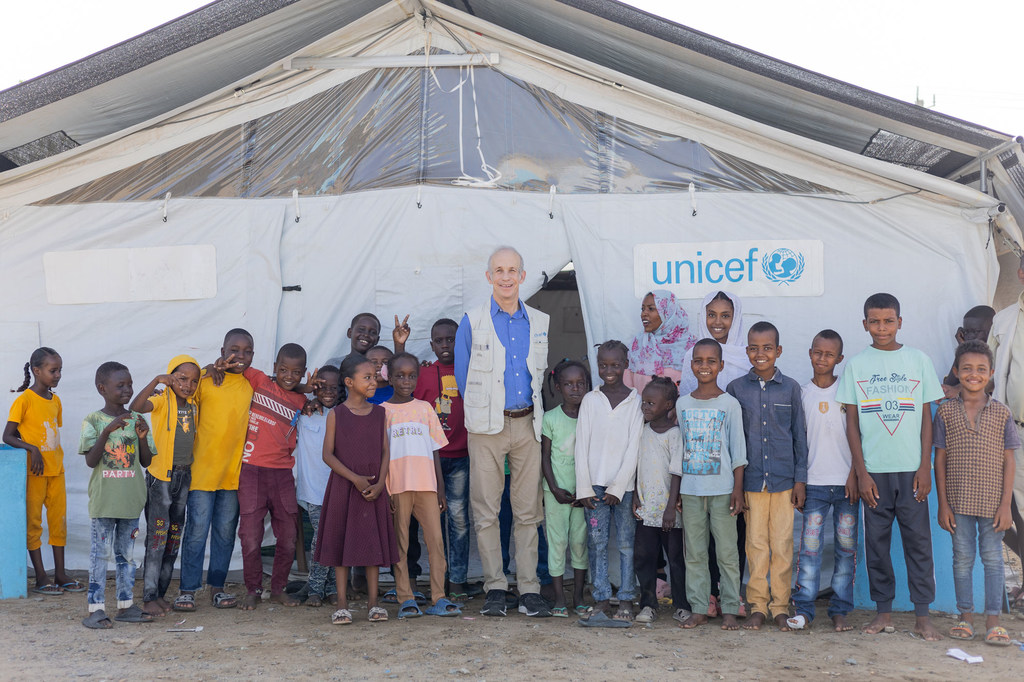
column 175, row 415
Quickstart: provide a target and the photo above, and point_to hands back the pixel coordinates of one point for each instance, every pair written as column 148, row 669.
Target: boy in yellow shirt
column 217, row 461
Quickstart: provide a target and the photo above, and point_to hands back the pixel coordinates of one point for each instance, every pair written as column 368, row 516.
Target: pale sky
column 969, row 61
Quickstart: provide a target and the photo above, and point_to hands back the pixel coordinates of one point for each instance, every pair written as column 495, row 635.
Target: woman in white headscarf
column 660, row 350
column 720, row 318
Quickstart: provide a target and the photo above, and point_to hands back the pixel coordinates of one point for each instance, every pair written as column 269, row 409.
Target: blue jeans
column 212, row 513
column 455, row 471
column 845, row 516
column 599, row 522
column 117, row 537
column 977, row 532
column 321, row 579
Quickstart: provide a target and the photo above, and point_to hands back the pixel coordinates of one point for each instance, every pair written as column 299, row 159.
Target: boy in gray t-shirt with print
column 710, row 470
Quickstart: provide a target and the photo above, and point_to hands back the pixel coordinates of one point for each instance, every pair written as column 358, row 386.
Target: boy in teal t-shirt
column 887, row 390
column 117, row 446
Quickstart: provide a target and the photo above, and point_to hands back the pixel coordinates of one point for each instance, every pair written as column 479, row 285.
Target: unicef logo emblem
column 783, row 266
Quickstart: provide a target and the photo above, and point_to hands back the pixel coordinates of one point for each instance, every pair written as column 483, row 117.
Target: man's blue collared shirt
column 773, row 422
column 513, row 332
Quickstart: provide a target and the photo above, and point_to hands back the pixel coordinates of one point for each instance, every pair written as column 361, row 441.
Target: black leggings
column 647, row 546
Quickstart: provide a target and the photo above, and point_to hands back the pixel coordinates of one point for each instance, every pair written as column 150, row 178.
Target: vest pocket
column 481, row 357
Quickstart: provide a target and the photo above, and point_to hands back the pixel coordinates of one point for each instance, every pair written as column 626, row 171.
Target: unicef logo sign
column 783, row 266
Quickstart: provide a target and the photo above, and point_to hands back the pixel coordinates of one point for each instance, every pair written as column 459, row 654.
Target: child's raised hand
column 141, row 427
column 35, row 460
column 165, row 379
column 313, row 381
column 310, row 407
column 119, row 423
column 400, row 334
column 946, row 519
column 217, row 370
column 563, row 496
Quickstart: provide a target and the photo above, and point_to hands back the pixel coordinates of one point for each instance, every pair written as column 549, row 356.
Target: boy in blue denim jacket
column 775, row 479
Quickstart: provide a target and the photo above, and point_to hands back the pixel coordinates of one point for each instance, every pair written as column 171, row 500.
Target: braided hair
column 555, row 375
column 35, row 360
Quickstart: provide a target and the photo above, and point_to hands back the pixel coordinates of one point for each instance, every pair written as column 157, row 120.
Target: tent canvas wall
column 385, row 189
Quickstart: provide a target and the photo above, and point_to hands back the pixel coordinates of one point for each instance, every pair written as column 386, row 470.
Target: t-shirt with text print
column 271, row 437
column 713, row 445
column 414, row 432
column 889, row 389
column 117, row 487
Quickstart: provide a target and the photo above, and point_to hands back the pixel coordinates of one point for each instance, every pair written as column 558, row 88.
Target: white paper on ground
column 962, row 655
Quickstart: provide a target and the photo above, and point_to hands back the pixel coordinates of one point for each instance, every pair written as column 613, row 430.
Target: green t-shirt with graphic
column 117, row 488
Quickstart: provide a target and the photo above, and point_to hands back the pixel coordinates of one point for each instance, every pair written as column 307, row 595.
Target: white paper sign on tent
column 745, row 268
column 161, row 273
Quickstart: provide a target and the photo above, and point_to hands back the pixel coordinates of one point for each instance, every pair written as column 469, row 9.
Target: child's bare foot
column 694, row 621
column 625, row 611
column 602, row 606
column 840, row 624
column 781, row 624
column 729, row 622
column 924, row 627
column 164, row 605
column 880, row 623
column 249, row 602
column 284, row 599
column 754, row 622
column 332, row 599
column 153, row 608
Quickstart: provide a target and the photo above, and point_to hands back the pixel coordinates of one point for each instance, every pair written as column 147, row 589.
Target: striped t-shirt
column 414, row 432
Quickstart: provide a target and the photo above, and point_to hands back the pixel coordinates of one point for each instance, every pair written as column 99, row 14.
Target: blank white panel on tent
column 141, row 335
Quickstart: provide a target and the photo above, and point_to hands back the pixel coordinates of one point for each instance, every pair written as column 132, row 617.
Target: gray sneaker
column 534, row 605
column 494, row 604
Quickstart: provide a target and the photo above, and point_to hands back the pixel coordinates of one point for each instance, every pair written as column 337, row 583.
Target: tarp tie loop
column 693, row 199
column 295, row 198
column 551, row 201
column 419, row 192
column 167, row 198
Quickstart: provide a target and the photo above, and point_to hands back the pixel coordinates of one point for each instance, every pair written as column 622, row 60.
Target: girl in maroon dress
column 356, row 527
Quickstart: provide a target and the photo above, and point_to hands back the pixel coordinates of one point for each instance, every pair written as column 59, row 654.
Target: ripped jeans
column 844, row 521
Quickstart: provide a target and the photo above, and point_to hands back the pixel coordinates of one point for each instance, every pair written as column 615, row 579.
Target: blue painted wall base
column 13, row 560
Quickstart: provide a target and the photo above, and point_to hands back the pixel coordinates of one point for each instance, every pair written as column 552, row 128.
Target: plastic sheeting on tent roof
column 399, row 127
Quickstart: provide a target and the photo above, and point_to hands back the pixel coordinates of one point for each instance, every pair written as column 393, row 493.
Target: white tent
column 341, row 148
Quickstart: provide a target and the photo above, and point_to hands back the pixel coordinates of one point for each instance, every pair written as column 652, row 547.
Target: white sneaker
column 646, row 615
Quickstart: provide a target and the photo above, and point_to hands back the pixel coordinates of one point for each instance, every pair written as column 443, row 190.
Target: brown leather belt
column 515, row 414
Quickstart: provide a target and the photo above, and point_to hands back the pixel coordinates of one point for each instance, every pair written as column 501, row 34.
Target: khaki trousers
column 422, row 505
column 769, row 548
column 487, row 455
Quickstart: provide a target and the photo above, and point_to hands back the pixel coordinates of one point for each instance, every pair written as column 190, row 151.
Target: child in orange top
column 415, row 483
column 33, row 425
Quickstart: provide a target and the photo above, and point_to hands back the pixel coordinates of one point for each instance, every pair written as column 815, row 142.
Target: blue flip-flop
column 390, row 597
column 409, row 609
column 444, row 608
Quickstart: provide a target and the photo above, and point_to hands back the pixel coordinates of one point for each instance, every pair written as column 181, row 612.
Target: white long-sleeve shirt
column 607, row 443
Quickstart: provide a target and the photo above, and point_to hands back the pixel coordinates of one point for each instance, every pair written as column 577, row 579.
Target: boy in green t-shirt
column 888, row 389
column 117, row 445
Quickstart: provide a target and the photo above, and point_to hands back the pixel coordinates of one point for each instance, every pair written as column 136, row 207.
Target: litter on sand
column 962, row 655
column 198, row 628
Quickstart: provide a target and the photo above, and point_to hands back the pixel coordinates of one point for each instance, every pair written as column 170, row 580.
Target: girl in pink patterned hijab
column 661, row 348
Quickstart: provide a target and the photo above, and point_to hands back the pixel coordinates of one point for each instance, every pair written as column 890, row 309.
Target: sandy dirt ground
column 43, row 638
